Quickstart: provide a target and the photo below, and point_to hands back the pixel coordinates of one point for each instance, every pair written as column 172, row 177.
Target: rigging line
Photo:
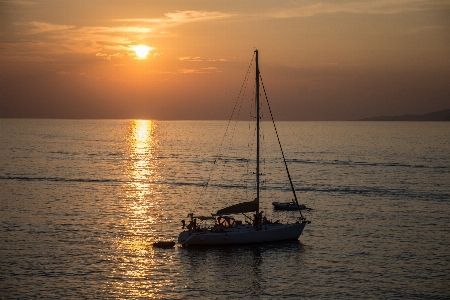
column 244, row 85
column 242, row 95
column 281, row 148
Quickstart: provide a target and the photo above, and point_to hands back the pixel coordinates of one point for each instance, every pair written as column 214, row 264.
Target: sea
column 83, row 201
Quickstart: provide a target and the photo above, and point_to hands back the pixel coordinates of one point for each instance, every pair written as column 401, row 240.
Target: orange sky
column 328, row 60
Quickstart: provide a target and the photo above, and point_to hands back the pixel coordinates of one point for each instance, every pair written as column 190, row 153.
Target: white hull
column 243, row 234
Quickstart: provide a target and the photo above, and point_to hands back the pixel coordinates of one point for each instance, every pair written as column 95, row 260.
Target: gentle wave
column 377, row 192
column 22, row 178
column 324, row 189
column 363, row 163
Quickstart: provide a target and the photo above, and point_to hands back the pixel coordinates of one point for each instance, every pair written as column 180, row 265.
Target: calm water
column 81, row 202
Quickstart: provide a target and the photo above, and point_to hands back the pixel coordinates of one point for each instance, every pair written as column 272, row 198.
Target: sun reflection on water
column 135, row 258
column 143, row 164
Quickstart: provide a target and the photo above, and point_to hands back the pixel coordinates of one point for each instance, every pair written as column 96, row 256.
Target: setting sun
column 141, row 51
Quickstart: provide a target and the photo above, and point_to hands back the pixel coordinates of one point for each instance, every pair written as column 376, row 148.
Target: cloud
column 361, row 7
column 105, row 42
column 109, row 56
column 19, row 2
column 50, row 39
column 198, row 71
column 39, row 27
column 177, row 18
column 197, row 58
column 188, row 71
column 123, row 29
column 19, row 42
column 189, row 58
column 424, row 28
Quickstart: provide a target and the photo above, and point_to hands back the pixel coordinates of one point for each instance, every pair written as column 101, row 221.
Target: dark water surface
column 82, row 201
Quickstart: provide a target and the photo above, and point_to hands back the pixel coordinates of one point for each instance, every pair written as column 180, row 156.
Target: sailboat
column 227, row 229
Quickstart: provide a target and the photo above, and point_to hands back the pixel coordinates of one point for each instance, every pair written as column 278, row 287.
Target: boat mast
column 257, row 131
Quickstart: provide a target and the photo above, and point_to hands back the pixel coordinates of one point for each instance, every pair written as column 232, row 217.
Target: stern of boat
column 183, row 237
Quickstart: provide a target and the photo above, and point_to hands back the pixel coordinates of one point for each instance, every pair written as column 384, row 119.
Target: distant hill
column 443, row 115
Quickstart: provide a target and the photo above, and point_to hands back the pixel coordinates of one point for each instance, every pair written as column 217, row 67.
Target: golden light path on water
column 136, row 261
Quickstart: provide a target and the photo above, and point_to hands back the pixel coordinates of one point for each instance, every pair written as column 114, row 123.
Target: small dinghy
column 288, row 206
column 164, row 244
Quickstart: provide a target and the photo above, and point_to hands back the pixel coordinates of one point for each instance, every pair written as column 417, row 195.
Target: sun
column 141, row 51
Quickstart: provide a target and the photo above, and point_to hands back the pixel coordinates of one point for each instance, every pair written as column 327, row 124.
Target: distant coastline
column 442, row 115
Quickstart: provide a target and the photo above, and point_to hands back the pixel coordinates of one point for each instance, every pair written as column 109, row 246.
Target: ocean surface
column 82, row 201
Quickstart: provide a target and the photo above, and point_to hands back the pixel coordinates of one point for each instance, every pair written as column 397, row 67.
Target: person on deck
column 256, row 221
column 260, row 218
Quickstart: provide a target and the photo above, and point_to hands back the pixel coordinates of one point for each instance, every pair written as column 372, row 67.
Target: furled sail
column 238, row 208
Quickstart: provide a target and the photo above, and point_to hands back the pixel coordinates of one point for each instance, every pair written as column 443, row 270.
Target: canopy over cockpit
column 239, row 208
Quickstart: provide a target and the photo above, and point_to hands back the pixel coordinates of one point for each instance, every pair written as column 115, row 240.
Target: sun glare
column 141, row 51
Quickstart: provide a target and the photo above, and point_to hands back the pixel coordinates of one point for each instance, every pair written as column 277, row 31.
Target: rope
column 281, row 148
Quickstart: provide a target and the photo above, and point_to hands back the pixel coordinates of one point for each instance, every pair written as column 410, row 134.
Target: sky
column 320, row 60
